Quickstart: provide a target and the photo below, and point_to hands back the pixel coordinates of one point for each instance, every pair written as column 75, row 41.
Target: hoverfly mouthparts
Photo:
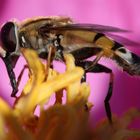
column 9, row 36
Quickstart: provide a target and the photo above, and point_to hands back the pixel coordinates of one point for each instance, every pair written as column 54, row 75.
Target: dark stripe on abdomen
column 97, row 36
column 116, row 45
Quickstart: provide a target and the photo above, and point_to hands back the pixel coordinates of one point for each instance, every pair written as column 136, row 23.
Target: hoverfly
column 52, row 37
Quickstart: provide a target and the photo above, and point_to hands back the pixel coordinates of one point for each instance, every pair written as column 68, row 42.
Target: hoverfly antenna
column 9, row 37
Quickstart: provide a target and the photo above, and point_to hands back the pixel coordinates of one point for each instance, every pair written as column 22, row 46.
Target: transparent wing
column 107, row 30
column 92, row 27
column 124, row 40
column 87, row 27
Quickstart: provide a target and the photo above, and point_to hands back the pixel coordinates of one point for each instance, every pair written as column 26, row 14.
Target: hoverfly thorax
column 9, row 37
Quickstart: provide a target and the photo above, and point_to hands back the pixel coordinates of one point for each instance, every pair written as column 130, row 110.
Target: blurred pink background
column 119, row 13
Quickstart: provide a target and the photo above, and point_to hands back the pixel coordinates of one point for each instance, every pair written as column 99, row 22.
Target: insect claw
column 15, row 87
column 14, row 93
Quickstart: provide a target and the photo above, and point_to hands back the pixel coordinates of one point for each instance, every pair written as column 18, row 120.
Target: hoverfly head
column 9, row 37
column 9, row 43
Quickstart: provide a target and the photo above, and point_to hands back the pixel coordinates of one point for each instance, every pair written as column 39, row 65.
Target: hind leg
column 98, row 68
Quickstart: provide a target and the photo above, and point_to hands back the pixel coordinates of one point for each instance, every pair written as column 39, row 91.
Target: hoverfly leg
column 108, row 97
column 50, row 59
column 98, row 68
column 84, row 66
column 11, row 74
column 21, row 74
column 83, row 78
column 88, row 66
column 59, row 48
column 94, row 62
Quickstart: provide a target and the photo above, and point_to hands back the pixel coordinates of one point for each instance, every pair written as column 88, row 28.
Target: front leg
column 9, row 67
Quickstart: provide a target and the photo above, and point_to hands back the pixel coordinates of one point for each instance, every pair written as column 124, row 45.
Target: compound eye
column 8, row 36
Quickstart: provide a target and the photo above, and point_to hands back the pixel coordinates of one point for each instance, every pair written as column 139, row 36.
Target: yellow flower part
column 40, row 89
column 67, row 121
